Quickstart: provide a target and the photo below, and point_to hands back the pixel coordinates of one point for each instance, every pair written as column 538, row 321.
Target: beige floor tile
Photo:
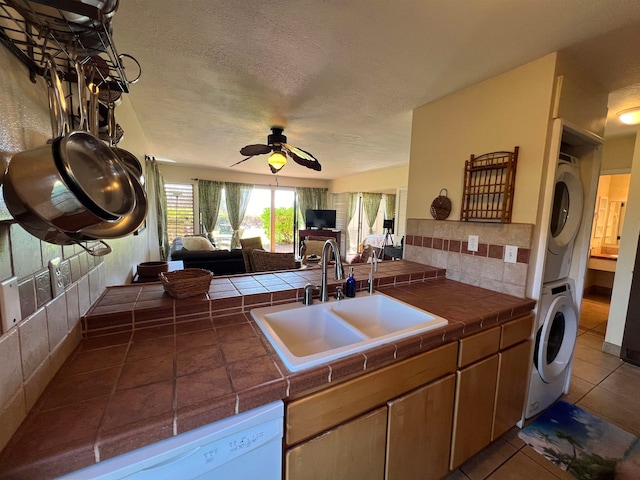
column 588, row 371
column 624, row 381
column 546, row 464
column 481, row 465
column 512, row 438
column 457, row 475
column 591, row 339
column 578, row 388
column 621, row 410
column 521, row 467
column 596, row 357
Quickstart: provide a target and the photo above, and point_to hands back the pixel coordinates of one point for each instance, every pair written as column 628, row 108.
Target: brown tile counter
column 151, row 366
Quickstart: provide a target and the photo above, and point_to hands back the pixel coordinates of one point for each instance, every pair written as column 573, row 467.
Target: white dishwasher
column 246, row 446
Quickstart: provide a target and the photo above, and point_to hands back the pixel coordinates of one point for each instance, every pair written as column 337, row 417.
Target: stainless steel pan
column 72, row 183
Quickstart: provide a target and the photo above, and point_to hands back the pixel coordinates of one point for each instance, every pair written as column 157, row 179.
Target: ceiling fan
column 281, row 150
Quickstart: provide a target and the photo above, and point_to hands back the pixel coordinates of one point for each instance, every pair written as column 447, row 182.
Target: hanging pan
column 74, row 182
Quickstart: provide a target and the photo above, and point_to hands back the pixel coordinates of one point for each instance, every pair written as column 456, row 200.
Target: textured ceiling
column 344, row 75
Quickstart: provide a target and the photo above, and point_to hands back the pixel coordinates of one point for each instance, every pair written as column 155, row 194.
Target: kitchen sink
column 307, row 336
column 380, row 315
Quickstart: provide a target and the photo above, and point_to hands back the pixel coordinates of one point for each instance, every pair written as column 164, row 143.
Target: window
column 265, row 204
column 179, row 209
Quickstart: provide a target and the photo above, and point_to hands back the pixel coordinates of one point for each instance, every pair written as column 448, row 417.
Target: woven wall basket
column 441, row 206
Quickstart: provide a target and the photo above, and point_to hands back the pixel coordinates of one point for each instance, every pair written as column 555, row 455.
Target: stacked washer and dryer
column 557, row 319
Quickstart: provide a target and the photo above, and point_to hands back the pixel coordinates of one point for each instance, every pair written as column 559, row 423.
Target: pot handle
column 56, row 99
column 82, row 96
column 95, row 250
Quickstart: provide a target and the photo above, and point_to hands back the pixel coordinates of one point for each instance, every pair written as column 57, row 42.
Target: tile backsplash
column 444, row 244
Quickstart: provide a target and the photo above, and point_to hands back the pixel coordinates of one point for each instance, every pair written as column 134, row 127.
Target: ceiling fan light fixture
column 277, row 160
column 630, row 116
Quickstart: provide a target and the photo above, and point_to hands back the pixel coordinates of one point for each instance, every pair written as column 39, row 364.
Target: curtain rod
column 256, row 184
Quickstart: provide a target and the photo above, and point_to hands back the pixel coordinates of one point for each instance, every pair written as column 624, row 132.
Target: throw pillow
column 197, row 243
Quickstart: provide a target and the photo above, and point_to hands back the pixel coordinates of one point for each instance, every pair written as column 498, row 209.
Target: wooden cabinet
column 326, row 442
column 490, row 386
column 475, row 397
column 354, row 450
column 515, row 364
column 419, row 432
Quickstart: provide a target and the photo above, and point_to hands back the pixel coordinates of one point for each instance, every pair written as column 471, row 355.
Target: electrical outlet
column 510, row 254
column 57, row 279
column 473, row 243
column 9, row 304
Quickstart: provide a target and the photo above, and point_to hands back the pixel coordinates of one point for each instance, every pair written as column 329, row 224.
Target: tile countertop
column 150, row 366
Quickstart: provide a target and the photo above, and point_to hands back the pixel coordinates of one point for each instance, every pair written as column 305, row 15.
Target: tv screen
column 320, row 218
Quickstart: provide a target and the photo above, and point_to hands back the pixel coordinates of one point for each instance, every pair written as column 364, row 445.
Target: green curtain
column 352, row 202
column 209, row 197
column 371, row 204
column 311, row 198
column 389, row 206
column 155, row 189
column 237, row 196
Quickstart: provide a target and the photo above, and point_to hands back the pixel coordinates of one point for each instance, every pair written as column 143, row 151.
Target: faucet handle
column 339, row 293
column 308, row 293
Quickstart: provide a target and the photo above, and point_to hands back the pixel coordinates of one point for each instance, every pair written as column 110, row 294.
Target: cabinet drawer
column 323, row 410
column 478, row 346
column 516, row 331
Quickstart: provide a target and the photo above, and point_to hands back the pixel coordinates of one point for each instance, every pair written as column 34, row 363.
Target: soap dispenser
column 350, row 285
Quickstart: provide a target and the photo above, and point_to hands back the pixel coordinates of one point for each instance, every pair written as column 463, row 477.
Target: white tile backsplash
column 478, row 269
column 34, row 342
column 57, row 321
column 10, row 365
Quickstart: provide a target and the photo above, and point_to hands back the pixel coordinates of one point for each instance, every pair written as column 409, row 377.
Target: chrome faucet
column 329, row 246
column 374, row 268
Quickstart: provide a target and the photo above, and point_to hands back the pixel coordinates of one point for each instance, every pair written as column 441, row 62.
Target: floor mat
column 584, row 445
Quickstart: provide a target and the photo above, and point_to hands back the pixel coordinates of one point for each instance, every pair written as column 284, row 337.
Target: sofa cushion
column 196, row 243
column 248, row 245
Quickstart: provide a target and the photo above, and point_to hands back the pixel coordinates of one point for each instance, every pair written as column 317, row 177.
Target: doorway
column 608, row 220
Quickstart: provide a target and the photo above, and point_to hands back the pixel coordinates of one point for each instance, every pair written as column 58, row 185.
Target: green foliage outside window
column 284, row 221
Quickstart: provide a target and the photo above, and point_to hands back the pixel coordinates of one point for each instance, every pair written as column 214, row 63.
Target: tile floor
column 601, row 384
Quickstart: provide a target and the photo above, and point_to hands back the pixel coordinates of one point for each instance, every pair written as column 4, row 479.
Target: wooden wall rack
column 489, row 184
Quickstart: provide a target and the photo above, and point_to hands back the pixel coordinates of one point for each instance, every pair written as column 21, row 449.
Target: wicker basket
column 186, row 283
column 441, row 206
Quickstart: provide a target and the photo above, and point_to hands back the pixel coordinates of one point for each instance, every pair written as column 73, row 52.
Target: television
column 320, row 219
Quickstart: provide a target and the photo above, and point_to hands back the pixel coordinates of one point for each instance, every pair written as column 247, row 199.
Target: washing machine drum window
column 556, row 339
column 566, row 212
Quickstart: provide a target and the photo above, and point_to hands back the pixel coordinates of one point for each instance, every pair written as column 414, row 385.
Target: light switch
column 472, row 243
column 510, row 254
column 9, row 304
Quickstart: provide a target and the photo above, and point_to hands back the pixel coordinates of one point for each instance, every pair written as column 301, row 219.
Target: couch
column 199, row 255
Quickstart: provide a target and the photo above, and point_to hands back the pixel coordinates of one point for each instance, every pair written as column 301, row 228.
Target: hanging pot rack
column 35, row 29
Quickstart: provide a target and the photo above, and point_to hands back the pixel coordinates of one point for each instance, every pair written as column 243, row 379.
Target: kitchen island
column 150, row 366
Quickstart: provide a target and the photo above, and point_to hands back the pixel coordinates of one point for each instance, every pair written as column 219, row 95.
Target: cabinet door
column 513, row 376
column 473, row 413
column 419, row 432
column 353, row 450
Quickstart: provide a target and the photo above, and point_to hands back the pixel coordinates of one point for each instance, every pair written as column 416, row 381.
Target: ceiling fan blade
column 303, row 157
column 243, row 160
column 257, row 149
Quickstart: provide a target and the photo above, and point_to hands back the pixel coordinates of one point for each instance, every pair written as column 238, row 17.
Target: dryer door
column 556, row 339
column 566, row 212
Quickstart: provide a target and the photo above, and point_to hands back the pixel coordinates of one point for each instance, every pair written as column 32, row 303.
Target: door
column 631, row 338
column 351, row 451
column 513, row 378
column 419, row 432
column 556, row 338
column 473, row 417
column 566, row 212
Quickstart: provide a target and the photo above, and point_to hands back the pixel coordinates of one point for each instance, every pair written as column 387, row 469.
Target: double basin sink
column 306, row 336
